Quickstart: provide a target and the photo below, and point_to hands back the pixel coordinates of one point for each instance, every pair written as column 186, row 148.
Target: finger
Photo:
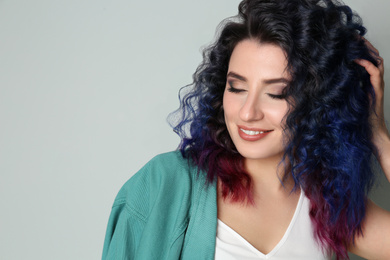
column 370, row 67
column 370, row 46
column 375, row 50
column 376, row 74
column 381, row 64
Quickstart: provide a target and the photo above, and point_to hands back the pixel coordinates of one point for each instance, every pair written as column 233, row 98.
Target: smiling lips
column 252, row 134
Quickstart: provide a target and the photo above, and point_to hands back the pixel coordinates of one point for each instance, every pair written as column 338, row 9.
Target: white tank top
column 298, row 242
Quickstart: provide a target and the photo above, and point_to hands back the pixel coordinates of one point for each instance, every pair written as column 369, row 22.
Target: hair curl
column 328, row 129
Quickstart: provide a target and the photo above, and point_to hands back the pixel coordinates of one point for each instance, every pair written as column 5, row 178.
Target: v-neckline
column 279, row 244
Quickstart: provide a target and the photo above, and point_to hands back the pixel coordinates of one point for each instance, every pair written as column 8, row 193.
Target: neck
column 267, row 175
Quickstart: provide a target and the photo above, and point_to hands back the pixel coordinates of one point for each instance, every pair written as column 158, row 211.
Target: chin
column 260, row 155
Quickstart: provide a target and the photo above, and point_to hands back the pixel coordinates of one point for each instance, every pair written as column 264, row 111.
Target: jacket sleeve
column 122, row 235
column 127, row 218
column 150, row 212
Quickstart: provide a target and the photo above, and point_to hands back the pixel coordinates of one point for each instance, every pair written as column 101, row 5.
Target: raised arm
column 375, row 241
column 381, row 136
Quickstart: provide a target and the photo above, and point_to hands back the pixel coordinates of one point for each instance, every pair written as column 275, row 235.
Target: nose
column 251, row 109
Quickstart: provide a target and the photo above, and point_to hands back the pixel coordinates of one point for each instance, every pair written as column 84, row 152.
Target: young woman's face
column 253, row 100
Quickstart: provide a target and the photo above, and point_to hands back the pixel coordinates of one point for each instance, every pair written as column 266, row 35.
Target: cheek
column 228, row 105
column 277, row 113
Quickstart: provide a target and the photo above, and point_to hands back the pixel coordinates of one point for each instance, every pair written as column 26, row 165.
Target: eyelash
column 277, row 96
column 235, row 90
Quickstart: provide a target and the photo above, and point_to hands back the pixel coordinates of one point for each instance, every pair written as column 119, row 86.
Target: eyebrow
column 237, row 76
column 267, row 81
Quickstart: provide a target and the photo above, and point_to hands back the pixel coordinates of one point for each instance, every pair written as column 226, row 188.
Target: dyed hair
column 328, row 132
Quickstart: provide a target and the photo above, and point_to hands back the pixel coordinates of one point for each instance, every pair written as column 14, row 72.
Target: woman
column 277, row 134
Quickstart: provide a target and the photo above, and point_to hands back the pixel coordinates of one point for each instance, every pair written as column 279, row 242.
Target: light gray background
column 85, row 87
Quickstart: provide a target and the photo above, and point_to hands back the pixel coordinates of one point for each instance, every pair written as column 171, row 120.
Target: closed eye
column 232, row 89
column 235, row 90
column 282, row 96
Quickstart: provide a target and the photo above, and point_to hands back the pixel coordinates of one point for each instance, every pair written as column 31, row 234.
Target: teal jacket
column 165, row 211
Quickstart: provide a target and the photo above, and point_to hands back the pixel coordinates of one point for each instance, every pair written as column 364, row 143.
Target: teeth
column 248, row 132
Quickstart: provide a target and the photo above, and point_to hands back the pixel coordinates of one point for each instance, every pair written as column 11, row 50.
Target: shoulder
column 156, row 206
column 166, row 178
column 161, row 171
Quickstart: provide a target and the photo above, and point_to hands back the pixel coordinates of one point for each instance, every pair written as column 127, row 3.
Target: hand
column 377, row 80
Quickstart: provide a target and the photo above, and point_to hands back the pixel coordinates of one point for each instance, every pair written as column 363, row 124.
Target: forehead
column 252, row 58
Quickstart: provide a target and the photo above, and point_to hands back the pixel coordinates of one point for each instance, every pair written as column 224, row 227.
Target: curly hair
column 329, row 146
